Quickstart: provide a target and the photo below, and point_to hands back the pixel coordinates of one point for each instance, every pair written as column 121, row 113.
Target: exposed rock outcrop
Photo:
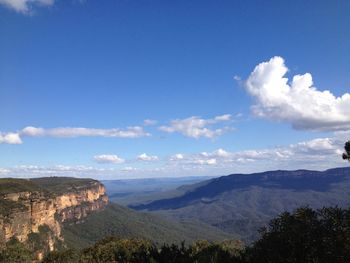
column 26, row 211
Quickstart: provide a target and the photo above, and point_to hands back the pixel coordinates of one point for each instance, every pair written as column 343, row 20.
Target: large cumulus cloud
column 298, row 101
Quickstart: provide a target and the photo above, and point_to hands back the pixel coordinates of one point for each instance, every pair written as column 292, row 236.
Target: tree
column 346, row 155
column 305, row 236
column 15, row 252
column 61, row 256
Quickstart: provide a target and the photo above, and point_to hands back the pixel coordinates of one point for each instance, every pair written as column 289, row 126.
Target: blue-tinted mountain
column 242, row 203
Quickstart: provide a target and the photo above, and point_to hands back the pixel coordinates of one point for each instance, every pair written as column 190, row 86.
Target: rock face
column 30, row 210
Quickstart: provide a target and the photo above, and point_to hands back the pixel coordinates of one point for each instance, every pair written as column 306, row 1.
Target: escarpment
column 40, row 206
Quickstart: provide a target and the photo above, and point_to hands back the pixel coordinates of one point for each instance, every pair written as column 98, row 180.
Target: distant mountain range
column 243, row 203
column 126, row 191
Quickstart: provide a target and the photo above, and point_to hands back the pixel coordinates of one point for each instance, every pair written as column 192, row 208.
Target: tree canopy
column 303, row 236
column 346, row 155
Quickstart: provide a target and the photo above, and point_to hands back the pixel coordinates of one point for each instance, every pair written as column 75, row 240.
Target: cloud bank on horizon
column 297, row 102
column 319, row 153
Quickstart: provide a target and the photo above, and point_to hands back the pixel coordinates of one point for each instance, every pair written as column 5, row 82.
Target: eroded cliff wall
column 27, row 211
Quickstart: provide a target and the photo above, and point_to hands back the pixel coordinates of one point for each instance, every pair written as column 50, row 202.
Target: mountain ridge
column 242, row 203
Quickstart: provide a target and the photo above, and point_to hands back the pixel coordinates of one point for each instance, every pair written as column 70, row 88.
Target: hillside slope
column 241, row 204
column 123, row 222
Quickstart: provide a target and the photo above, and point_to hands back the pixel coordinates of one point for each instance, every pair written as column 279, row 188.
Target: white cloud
column 30, row 171
column 297, row 102
column 177, row 156
column 225, row 117
column 149, row 122
column 66, row 132
column 319, row 144
column 221, row 153
column 10, row 138
column 129, row 169
column 24, row 6
column 211, row 161
column 4, row 171
column 318, row 154
column 69, row 132
column 196, row 127
column 108, row 158
column 147, row 158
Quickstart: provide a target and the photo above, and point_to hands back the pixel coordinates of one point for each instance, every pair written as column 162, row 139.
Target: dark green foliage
column 12, row 185
column 306, row 235
column 45, row 185
column 56, row 185
column 119, row 250
column 59, row 185
column 112, row 249
column 6, row 206
column 64, row 256
column 28, row 251
column 206, row 252
column 172, row 254
column 38, row 242
column 15, row 252
column 346, row 155
column 120, row 221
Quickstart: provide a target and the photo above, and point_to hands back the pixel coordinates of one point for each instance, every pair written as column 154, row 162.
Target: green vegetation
column 46, row 186
column 52, row 185
column 60, row 185
column 63, row 256
column 304, row 236
column 120, row 221
column 15, row 252
column 112, row 249
column 6, row 206
column 26, row 252
column 12, row 185
column 38, row 242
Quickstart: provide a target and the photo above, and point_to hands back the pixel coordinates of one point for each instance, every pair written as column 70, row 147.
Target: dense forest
column 305, row 235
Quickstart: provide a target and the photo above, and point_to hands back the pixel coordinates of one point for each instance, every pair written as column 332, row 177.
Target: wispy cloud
column 69, row 132
column 178, row 156
column 196, row 127
column 24, row 6
column 149, row 122
column 319, row 153
column 108, row 158
column 147, row 158
column 129, row 169
column 72, row 132
column 297, row 102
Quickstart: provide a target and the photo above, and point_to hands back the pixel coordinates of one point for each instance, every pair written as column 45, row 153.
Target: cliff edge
column 33, row 208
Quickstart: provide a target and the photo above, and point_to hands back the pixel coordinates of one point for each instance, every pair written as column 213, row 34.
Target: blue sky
column 78, row 79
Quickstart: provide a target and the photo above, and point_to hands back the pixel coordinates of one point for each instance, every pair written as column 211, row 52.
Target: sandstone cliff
column 26, row 207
